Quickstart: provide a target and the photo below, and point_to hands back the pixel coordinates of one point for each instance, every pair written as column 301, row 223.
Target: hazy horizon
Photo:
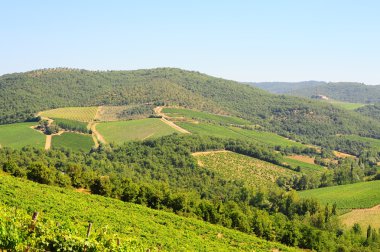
column 246, row 41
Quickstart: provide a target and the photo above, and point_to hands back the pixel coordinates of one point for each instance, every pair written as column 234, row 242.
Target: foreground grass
column 82, row 114
column 352, row 196
column 123, row 131
column 252, row 171
column 154, row 230
column 73, row 141
column 19, row 135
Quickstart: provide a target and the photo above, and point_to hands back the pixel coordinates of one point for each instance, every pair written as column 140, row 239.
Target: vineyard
column 71, row 125
column 64, row 217
column 306, row 168
column 123, row 131
column 233, row 166
column 73, row 141
column 351, row 196
column 19, row 135
column 82, row 114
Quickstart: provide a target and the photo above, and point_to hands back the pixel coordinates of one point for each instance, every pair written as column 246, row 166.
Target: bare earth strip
column 97, row 135
column 365, row 217
column 202, row 153
column 49, row 138
column 305, row 159
column 158, row 111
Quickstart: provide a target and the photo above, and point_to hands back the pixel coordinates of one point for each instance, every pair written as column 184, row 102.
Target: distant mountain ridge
column 343, row 91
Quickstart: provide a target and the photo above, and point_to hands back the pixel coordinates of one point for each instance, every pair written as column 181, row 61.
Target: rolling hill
column 26, row 93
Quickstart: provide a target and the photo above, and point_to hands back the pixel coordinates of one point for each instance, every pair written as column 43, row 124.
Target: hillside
column 26, row 93
column 352, row 92
column 138, row 227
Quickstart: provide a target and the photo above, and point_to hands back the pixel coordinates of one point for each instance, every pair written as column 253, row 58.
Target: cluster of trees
column 71, row 125
column 162, row 174
column 47, row 128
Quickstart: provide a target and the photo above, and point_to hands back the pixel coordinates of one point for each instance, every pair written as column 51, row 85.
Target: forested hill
column 26, row 93
column 343, row 91
column 285, row 87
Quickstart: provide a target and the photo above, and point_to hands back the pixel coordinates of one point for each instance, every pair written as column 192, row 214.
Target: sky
column 267, row 40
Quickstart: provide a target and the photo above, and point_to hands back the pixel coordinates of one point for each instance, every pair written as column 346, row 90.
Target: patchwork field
column 122, row 131
column 202, row 116
column 347, row 197
column 233, row 166
column 149, row 230
column 306, row 165
column 19, row 135
column 235, row 132
column 73, row 141
column 82, row 114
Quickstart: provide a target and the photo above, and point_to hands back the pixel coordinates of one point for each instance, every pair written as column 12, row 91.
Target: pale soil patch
column 342, row 154
column 305, row 159
column 365, row 217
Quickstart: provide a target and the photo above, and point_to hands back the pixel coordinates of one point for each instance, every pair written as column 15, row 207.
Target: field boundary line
column 158, row 111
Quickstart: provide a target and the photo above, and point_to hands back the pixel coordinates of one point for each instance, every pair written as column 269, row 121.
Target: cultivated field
column 374, row 143
column 19, row 135
column 352, row 196
column 365, row 217
column 82, row 114
column 73, row 141
column 123, row 131
column 233, row 166
column 239, row 133
column 147, row 229
column 202, row 116
column 305, row 163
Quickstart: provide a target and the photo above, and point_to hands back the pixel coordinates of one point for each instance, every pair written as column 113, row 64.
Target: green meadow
column 123, row 131
column 73, row 141
column 19, row 135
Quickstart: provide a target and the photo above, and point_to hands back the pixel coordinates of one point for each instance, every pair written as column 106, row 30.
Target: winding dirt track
column 96, row 135
column 158, row 111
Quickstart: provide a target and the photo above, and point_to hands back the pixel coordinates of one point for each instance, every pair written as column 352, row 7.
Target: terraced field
column 73, row 141
column 123, row 131
column 239, row 133
column 82, row 114
column 233, row 166
column 347, row 197
column 148, row 229
column 19, row 135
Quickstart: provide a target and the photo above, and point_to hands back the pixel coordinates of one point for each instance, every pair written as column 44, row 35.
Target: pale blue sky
column 267, row 40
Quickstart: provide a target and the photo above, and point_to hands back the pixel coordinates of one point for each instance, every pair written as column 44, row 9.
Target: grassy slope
column 154, row 229
column 82, row 114
column 359, row 195
column 198, row 115
column 234, row 166
column 234, row 132
column 347, row 105
column 73, row 141
column 374, row 143
column 305, row 167
column 19, row 135
column 119, row 132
